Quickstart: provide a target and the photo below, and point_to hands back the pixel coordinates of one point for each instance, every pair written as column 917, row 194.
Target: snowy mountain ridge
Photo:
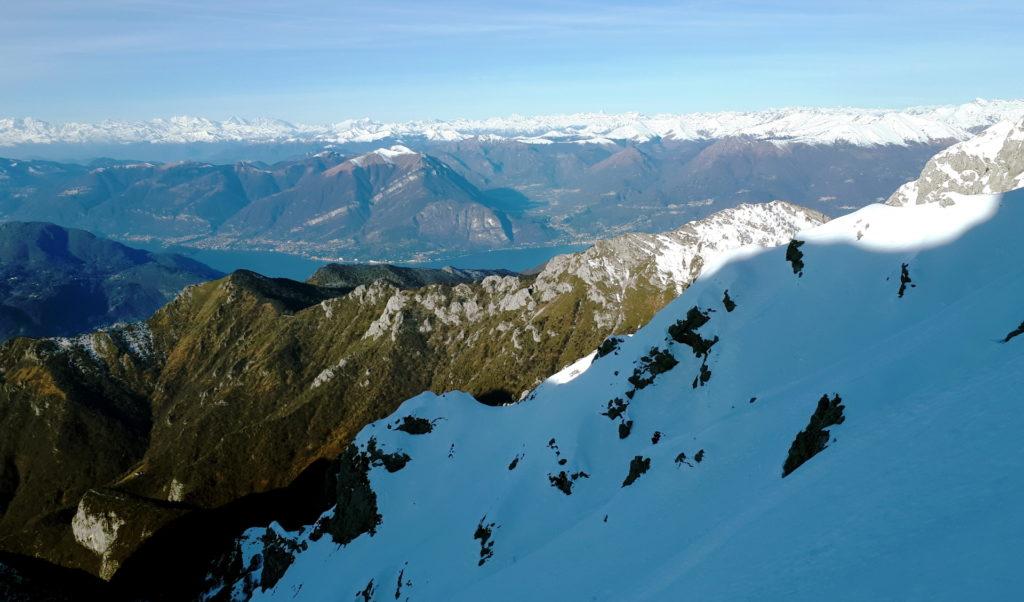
column 991, row 162
column 677, row 256
column 878, row 349
column 861, row 127
column 615, row 274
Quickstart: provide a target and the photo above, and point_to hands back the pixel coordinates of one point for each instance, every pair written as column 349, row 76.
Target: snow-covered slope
column 990, row 163
column 675, row 257
column 864, row 127
column 657, row 473
column 383, row 155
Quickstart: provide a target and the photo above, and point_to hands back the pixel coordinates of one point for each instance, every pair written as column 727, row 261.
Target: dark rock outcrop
column 637, row 466
column 795, row 256
column 813, row 439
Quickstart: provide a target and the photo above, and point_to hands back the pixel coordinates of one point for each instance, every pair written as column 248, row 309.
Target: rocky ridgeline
column 992, row 162
column 623, row 279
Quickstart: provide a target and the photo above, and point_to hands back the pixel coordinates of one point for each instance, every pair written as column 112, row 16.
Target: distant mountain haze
column 456, row 197
column 802, row 124
column 58, row 282
column 368, row 190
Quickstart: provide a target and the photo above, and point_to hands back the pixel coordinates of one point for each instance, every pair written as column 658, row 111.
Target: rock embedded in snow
column 814, row 438
column 637, row 467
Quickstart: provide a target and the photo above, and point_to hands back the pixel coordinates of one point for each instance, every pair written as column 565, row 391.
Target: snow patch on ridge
column 570, row 372
column 385, row 154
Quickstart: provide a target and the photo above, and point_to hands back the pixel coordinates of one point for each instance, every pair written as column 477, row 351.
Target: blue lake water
column 284, row 265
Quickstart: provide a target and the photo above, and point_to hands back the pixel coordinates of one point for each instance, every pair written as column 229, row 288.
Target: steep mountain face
column 990, row 163
column 228, row 407
column 841, row 411
column 24, row 579
column 58, row 282
column 393, row 199
column 648, row 186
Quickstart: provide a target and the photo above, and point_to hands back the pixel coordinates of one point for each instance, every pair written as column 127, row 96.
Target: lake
column 284, row 265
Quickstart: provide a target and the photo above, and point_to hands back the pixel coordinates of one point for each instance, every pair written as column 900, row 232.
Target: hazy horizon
column 514, row 115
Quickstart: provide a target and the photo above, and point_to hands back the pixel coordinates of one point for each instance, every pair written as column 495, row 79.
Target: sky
column 322, row 61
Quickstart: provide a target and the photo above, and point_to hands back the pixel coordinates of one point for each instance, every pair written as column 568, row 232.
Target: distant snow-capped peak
column 383, row 155
column 395, row 151
column 862, row 127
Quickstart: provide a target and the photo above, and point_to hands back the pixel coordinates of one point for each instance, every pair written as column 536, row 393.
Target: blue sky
column 319, row 61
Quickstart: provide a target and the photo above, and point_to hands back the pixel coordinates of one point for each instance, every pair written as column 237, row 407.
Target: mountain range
column 864, row 127
column 448, row 198
column 392, row 201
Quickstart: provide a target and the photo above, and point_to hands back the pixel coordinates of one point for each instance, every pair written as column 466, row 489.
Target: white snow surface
column 383, row 154
column 395, row 151
column 570, row 372
column 918, row 495
column 856, row 126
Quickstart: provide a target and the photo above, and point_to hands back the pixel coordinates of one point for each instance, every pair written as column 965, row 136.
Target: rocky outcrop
column 992, row 162
column 100, row 520
column 814, row 438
